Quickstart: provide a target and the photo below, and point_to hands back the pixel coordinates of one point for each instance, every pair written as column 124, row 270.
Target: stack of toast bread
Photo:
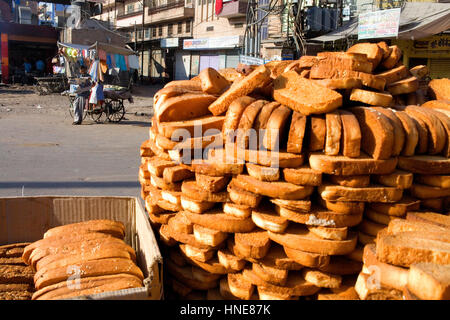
column 267, row 182
column 80, row 259
column 409, row 261
column 16, row 278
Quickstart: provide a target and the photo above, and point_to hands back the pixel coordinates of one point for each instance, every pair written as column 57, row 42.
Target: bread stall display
column 276, row 182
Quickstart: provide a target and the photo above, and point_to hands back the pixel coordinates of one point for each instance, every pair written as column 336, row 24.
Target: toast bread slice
column 333, row 133
column 385, row 48
column 263, row 173
column 429, row 217
column 346, row 166
column 399, row 132
column 429, row 281
column 194, row 205
column 373, row 52
column 245, row 134
column 425, row 164
column 277, row 189
column 254, row 244
column 394, row 74
column 343, row 207
column 403, row 86
column 180, row 108
column 275, row 128
column 368, row 289
column 296, row 205
column 242, row 88
column 371, row 97
column 351, row 135
column 303, row 95
column 388, row 275
column 212, row 81
column 237, row 210
column 190, row 128
column 307, row 259
column 377, row 133
column 434, row 180
column 411, row 133
column 267, row 219
column 320, row 217
column 342, row 266
column 217, row 220
column 230, row 261
column 393, row 59
column 398, row 208
column 398, row 179
column 322, row 279
column 242, row 197
column 329, row 233
column 270, row 274
column 438, row 89
column 211, row 183
column 317, row 133
column 300, row 238
column 303, row 176
column 354, row 181
column 369, row 194
column 208, row 236
column 233, row 116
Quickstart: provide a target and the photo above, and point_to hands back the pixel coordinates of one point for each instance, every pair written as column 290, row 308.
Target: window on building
column 264, row 32
column 188, row 26
column 180, row 28
column 153, row 32
column 170, row 29
column 130, row 8
column 139, row 34
column 139, row 6
column 238, row 25
column 147, row 33
column 199, row 2
column 160, row 31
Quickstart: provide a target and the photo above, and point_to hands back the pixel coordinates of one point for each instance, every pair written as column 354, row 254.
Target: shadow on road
column 68, row 184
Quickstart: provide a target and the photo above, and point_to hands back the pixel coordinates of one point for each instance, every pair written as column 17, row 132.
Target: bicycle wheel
column 116, row 111
column 98, row 116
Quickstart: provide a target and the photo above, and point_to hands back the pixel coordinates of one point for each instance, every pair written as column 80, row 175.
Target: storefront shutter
column 439, row 68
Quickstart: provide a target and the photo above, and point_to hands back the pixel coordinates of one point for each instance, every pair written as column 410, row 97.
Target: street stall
column 111, row 69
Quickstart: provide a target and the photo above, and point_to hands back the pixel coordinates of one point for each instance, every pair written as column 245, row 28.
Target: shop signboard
column 169, row 43
column 433, row 43
column 212, row 43
column 250, row 60
column 379, row 24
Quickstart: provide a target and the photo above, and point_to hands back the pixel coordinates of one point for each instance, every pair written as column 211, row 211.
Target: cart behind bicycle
column 115, row 73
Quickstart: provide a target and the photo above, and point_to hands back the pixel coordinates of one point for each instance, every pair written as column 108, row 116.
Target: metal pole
column 142, row 42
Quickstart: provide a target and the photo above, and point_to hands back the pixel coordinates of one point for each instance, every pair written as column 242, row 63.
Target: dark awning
column 417, row 20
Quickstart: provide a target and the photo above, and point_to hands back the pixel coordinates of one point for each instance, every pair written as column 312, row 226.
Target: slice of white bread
column 307, row 259
column 403, row 86
column 322, row 279
column 252, row 244
column 275, row 128
column 429, row 281
column 208, row 236
column 230, row 261
column 270, row 274
column 237, row 210
column 317, row 133
column 185, row 107
column 263, row 173
column 267, row 219
column 212, row 81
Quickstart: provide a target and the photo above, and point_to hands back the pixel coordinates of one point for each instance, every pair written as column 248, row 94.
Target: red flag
column 219, row 6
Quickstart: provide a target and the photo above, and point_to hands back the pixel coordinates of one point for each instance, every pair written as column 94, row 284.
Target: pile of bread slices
column 266, row 182
column 80, row 259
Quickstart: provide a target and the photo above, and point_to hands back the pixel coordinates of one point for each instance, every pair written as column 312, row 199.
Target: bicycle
column 112, row 110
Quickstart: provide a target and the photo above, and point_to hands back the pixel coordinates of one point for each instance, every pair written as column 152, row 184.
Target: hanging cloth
column 93, row 71
column 109, row 61
column 126, row 62
column 103, row 66
column 133, row 62
column 101, row 54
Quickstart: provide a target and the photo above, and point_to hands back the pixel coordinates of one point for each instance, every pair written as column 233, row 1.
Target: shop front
column 217, row 53
column 433, row 52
